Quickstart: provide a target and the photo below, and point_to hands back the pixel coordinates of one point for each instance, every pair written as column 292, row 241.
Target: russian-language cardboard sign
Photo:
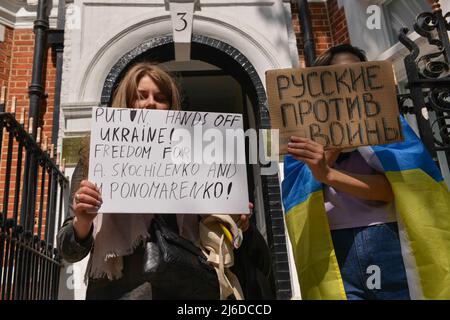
column 157, row 161
column 338, row 106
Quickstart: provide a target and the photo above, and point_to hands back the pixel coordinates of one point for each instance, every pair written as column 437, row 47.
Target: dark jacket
column 73, row 250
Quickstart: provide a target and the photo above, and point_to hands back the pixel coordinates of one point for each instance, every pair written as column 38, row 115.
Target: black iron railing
column 428, row 80
column 30, row 214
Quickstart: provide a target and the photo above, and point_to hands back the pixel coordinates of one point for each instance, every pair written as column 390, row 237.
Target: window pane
column 402, row 13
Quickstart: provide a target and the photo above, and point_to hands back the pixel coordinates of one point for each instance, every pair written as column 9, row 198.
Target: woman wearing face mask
column 344, row 208
column 115, row 240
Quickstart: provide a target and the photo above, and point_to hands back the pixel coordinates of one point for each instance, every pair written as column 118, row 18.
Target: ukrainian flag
column 422, row 203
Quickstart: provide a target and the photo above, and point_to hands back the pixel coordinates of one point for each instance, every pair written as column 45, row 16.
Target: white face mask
column 346, row 150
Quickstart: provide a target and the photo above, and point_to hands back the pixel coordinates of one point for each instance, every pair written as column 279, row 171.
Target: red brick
column 16, row 55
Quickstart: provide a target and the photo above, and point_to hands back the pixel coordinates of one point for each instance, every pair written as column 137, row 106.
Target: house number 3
column 181, row 15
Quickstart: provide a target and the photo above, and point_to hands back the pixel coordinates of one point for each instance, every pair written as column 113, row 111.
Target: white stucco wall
column 20, row 14
column 99, row 33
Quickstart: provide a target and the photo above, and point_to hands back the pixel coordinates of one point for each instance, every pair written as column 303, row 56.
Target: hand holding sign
column 155, row 161
column 312, row 153
column 86, row 203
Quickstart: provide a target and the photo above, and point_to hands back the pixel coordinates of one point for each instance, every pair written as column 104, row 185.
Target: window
column 402, row 13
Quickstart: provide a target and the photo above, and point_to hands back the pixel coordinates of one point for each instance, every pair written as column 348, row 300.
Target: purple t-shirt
column 346, row 211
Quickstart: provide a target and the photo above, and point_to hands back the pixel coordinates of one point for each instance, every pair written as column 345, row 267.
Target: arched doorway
column 223, row 64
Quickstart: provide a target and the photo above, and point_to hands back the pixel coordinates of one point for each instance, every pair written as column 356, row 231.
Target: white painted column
column 2, row 33
column 182, row 15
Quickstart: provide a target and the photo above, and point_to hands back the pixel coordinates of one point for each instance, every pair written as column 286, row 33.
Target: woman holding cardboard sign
column 117, row 242
column 345, row 209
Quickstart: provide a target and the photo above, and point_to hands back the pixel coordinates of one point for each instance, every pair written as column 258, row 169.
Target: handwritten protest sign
column 156, row 161
column 337, row 106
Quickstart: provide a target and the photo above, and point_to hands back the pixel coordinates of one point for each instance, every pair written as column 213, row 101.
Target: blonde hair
column 126, row 95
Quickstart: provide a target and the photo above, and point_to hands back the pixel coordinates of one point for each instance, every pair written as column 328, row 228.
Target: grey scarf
column 118, row 235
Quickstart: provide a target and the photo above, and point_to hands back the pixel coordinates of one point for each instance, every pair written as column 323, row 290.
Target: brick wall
column 328, row 23
column 17, row 80
column 339, row 32
column 20, row 77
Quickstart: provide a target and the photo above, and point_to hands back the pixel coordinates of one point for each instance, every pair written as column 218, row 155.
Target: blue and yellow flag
column 422, row 203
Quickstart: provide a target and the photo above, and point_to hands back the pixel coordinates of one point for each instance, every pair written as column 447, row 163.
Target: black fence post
column 28, row 258
column 428, row 80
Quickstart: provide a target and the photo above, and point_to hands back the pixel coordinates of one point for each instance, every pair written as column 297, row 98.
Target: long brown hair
column 126, row 95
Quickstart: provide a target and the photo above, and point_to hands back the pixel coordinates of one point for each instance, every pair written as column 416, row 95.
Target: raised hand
column 86, row 203
column 313, row 154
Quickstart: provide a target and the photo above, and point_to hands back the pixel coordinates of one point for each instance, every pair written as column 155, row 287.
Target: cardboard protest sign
column 158, row 161
column 338, row 106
